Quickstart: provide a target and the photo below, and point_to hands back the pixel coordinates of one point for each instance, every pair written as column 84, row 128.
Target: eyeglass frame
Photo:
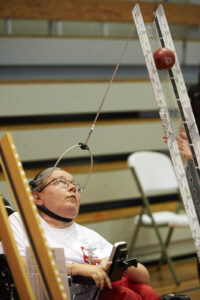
column 68, row 182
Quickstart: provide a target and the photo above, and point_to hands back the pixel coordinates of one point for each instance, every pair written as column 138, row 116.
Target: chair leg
column 162, row 244
column 165, row 253
column 167, row 241
column 135, row 234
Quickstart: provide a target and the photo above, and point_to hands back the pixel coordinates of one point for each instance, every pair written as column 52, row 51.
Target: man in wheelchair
column 57, row 196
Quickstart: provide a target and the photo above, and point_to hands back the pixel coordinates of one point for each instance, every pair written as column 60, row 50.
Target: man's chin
column 72, row 214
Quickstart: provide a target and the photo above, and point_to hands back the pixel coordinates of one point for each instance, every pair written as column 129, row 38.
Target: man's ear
column 37, row 198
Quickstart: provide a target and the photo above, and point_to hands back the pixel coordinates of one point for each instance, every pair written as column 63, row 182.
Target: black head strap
column 52, row 215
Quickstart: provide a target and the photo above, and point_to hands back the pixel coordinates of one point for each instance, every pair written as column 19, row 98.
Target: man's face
column 58, row 198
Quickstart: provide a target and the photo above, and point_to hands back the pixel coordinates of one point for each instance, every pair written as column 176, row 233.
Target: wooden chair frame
column 47, row 269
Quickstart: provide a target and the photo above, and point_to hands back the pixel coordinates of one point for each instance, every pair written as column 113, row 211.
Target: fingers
column 106, row 265
column 105, row 268
column 101, row 261
column 108, row 282
column 97, row 273
column 96, row 260
column 184, row 147
column 101, row 278
column 164, row 139
column 182, row 143
column 183, row 135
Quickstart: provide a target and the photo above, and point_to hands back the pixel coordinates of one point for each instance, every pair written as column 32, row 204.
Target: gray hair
column 38, row 182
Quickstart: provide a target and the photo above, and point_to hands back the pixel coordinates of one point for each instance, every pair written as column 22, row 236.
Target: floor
column 162, row 281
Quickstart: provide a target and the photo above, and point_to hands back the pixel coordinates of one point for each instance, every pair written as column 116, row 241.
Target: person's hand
column 97, row 272
column 100, row 261
column 164, row 138
column 183, row 145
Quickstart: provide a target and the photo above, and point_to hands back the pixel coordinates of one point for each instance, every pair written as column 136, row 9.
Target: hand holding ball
column 164, row 58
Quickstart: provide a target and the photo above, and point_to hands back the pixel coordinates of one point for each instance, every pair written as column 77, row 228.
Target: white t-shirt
column 75, row 239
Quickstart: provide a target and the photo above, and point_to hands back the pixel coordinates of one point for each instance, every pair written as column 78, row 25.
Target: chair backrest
column 154, row 172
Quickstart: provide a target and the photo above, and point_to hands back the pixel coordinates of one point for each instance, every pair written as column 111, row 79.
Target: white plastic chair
column 154, row 175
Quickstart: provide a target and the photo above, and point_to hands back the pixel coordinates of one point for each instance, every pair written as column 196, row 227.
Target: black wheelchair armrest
column 82, row 280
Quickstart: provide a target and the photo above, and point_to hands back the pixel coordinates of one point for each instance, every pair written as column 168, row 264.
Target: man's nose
column 72, row 186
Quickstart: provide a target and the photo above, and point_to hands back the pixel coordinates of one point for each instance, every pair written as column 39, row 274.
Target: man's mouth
column 71, row 197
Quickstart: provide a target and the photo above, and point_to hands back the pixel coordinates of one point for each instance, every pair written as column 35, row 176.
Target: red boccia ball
column 164, row 58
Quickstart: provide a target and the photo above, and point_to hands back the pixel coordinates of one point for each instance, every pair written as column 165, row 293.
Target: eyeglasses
column 63, row 182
